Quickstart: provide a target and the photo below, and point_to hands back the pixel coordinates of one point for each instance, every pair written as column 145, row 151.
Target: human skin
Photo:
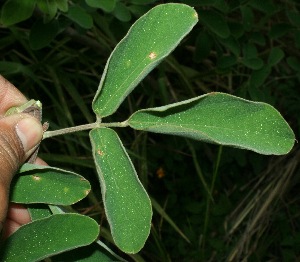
column 19, row 134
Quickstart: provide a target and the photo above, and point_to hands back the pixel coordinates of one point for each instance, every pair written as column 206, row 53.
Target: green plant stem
column 74, row 129
column 208, row 199
column 198, row 169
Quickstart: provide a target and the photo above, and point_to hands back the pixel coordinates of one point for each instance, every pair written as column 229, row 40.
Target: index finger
column 9, row 96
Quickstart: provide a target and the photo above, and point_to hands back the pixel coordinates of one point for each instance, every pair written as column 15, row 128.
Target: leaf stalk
column 74, row 129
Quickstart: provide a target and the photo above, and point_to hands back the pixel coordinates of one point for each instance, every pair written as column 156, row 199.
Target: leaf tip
column 195, row 15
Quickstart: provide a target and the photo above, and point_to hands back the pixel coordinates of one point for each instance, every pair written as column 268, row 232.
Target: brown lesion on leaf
column 100, row 152
column 152, row 55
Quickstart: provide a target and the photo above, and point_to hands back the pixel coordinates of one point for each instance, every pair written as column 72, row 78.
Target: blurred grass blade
column 222, row 119
column 165, row 216
column 127, row 205
column 60, row 158
column 91, row 253
column 198, row 169
column 109, row 251
column 7, row 67
column 49, row 236
column 44, row 184
column 76, row 97
column 150, row 39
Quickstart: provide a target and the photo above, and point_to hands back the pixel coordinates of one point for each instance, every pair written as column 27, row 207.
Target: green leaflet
column 127, row 205
column 49, row 236
column 38, row 211
column 275, row 56
column 150, row 39
column 41, row 34
column 15, row 11
column 62, row 5
column 48, row 8
column 223, row 119
column 105, row 5
column 80, row 16
column 44, row 184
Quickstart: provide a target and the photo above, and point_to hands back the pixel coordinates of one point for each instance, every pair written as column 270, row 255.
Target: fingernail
column 30, row 132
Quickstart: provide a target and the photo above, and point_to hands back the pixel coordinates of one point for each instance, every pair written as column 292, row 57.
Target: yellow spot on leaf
column 128, row 63
column 36, row 178
column 66, row 189
column 152, row 55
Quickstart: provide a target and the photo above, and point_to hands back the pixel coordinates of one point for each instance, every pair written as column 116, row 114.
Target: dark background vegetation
column 216, row 203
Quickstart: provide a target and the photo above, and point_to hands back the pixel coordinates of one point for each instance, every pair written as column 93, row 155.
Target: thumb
column 19, row 134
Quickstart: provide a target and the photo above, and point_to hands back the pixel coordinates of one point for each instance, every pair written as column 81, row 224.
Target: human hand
column 19, row 134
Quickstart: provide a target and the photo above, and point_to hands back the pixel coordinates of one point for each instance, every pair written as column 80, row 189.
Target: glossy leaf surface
column 44, row 184
column 127, row 205
column 49, row 236
column 150, row 39
column 222, row 119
